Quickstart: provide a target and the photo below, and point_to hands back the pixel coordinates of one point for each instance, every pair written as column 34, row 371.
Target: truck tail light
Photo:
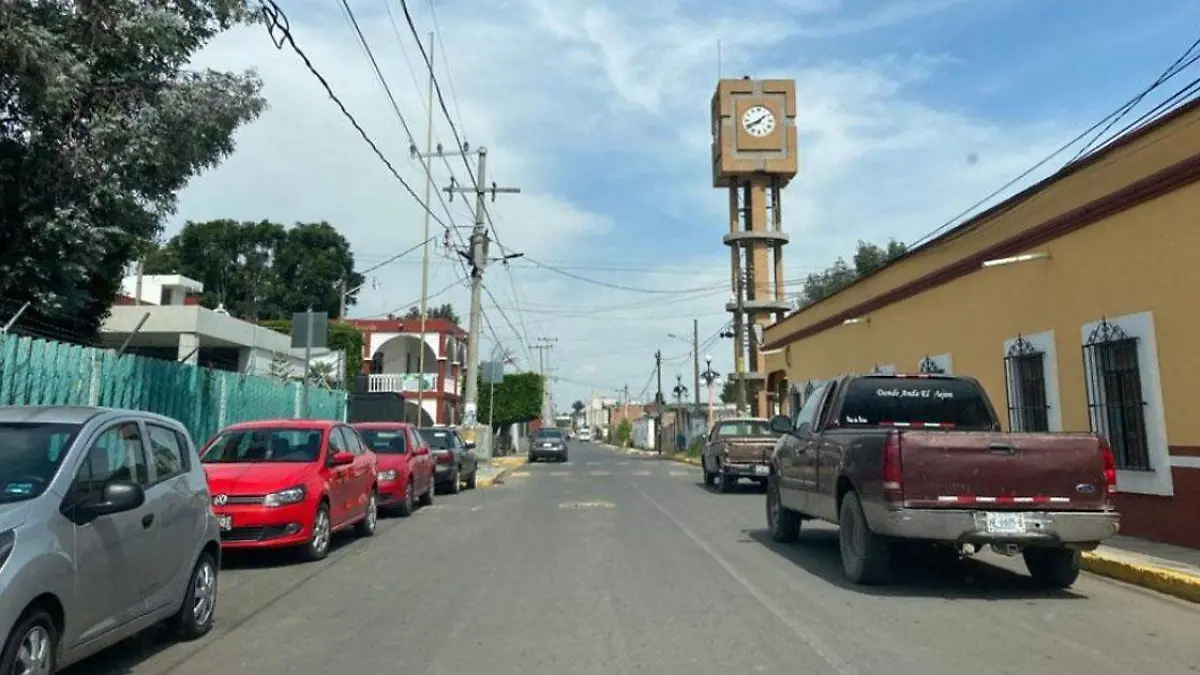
column 891, row 470
column 1110, row 470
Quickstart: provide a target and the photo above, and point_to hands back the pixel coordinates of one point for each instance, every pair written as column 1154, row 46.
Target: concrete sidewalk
column 494, row 471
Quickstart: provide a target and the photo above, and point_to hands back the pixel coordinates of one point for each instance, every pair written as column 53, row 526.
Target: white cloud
column 543, row 83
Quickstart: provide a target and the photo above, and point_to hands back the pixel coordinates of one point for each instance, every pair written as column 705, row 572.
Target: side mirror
column 470, row 445
column 119, row 496
column 421, row 450
column 342, row 458
column 781, row 424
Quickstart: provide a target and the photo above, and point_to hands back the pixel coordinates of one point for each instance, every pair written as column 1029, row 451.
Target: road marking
column 593, row 463
column 586, row 505
column 622, row 463
column 560, row 473
column 803, row 632
column 679, row 474
column 599, row 473
column 568, row 464
column 642, row 472
column 520, row 474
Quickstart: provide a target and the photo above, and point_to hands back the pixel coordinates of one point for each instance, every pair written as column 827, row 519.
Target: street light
column 710, row 378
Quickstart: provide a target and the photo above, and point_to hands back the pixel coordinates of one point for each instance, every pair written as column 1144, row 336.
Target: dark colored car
column 548, row 444
column 454, row 460
column 738, row 448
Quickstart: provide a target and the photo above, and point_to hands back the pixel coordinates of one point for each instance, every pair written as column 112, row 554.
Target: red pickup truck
column 922, row 459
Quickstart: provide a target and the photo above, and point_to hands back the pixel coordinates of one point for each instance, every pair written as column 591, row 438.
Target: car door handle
column 1002, row 447
column 147, row 520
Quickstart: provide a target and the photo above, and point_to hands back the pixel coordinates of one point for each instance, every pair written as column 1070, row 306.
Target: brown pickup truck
column 921, row 459
column 738, row 448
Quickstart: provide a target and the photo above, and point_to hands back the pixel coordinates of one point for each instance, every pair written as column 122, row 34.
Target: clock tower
column 754, row 157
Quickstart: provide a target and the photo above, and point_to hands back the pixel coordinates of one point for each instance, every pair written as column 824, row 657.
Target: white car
column 585, row 434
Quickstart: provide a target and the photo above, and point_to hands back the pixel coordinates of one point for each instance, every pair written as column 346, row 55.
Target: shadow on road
column 919, row 574
column 124, row 657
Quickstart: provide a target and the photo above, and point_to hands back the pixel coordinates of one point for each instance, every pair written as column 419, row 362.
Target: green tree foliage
column 578, row 407
column 101, row 125
column 262, row 270
column 518, row 399
column 624, row 433
column 867, row 258
column 445, row 311
column 342, row 336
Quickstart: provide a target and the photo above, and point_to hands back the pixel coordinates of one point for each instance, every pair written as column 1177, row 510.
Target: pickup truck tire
column 783, row 522
column 1052, row 567
column 866, row 556
column 725, row 482
column 709, row 477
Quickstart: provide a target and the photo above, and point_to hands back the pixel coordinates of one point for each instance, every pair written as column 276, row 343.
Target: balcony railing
column 408, row 383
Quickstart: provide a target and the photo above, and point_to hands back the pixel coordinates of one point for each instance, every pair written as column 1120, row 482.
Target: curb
column 1153, row 577
column 491, row 481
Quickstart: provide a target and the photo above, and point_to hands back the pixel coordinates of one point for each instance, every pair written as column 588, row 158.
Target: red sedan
column 290, row 483
column 405, row 465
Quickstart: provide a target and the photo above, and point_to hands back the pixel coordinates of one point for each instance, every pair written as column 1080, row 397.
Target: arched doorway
column 398, row 362
column 778, row 401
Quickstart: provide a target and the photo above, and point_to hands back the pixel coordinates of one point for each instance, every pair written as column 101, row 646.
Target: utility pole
column 658, row 401
column 543, row 346
column 342, row 300
column 696, row 359
column 739, row 331
column 478, row 257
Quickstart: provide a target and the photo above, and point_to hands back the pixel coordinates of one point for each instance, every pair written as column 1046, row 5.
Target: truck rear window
column 875, row 401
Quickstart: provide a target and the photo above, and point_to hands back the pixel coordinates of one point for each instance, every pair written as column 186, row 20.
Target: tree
column 729, row 391
column 280, row 368
column 101, row 125
column 578, row 407
column 518, row 399
column 262, row 270
column 868, row 258
column 445, row 311
column 342, row 336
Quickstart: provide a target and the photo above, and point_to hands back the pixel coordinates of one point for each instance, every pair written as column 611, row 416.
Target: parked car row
column 111, row 521
column 902, row 463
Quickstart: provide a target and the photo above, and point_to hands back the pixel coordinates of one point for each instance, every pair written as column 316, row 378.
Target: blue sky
column 598, row 111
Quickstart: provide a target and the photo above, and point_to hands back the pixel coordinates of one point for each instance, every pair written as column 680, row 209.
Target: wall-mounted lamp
column 1024, row 257
column 861, row 319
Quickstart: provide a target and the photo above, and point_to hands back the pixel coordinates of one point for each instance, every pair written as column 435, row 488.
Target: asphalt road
column 613, row 564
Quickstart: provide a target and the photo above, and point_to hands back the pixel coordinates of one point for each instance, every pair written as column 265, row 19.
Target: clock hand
column 755, row 122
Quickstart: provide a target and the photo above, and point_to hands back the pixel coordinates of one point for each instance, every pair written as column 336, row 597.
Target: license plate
column 226, row 522
column 1005, row 523
column 547, row 445
column 762, row 470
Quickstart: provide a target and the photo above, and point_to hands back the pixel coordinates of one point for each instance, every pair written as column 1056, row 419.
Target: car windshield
column 745, row 428
column 549, row 435
column 386, row 441
column 264, row 444
column 30, row 454
column 438, row 439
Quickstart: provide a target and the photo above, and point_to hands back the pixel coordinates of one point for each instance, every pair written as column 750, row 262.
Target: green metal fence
column 44, row 372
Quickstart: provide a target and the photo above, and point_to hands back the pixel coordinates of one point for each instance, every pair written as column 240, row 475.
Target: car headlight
column 8, row 540
column 389, row 474
column 293, row 495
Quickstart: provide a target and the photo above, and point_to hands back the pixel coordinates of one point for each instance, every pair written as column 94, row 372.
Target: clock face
column 758, row 121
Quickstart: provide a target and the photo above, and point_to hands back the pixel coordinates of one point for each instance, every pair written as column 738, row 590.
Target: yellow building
column 1073, row 303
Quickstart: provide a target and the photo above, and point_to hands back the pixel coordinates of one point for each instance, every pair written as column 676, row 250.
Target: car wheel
column 427, row 496
column 32, row 646
column 1056, row 568
column 866, row 556
column 318, row 545
column 198, row 611
column 783, row 522
column 455, row 483
column 366, row 527
column 405, row 508
column 725, row 482
column 471, row 479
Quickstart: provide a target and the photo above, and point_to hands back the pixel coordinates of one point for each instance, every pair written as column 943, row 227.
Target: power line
column 619, row 287
column 1116, row 113
column 278, row 21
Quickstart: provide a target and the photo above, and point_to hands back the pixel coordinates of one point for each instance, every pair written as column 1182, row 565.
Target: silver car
column 105, row 530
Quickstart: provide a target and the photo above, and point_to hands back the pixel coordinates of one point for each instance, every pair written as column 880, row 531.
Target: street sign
column 493, row 372
column 310, row 330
